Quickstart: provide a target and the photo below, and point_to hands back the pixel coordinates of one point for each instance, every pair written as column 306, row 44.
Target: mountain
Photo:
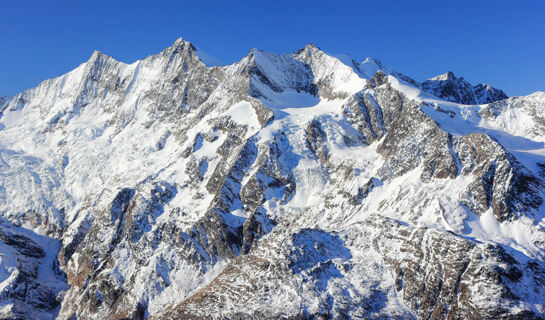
column 297, row 186
column 450, row 88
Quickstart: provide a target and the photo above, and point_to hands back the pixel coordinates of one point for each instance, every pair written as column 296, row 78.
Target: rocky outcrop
column 24, row 264
column 501, row 183
column 439, row 275
column 451, row 88
column 414, row 140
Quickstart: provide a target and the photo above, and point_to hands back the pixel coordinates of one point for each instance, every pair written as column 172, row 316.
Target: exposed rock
column 296, row 186
column 447, row 86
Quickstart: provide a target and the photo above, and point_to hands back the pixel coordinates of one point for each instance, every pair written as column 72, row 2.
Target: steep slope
column 295, row 185
column 32, row 284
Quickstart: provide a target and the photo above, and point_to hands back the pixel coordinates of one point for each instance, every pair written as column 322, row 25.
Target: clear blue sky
column 498, row 42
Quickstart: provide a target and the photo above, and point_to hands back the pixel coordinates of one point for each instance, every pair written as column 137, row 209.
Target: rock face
column 450, row 88
column 298, row 186
column 25, row 266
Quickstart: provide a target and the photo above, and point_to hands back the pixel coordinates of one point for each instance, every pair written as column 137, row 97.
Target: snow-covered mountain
column 450, row 88
column 303, row 185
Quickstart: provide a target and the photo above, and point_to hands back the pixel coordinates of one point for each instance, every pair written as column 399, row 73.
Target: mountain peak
column 309, row 49
column 320, row 178
column 98, row 60
column 449, row 75
column 312, row 46
column 252, row 52
column 179, row 42
column 98, row 55
column 451, row 88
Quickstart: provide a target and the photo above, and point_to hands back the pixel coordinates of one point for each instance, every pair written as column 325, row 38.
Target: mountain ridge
column 289, row 185
column 180, row 42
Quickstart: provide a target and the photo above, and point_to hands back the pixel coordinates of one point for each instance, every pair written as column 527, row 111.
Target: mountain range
column 304, row 185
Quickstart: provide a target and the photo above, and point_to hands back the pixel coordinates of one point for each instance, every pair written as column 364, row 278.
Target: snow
column 244, row 114
column 73, row 145
column 515, row 128
column 344, row 78
column 518, row 234
column 408, row 90
column 288, row 98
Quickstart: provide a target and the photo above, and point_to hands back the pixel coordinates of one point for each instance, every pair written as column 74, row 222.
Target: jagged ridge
column 296, row 185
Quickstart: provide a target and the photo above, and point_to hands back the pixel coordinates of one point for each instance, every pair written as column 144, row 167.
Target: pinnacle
column 312, row 47
column 98, row 55
column 449, row 75
column 178, row 42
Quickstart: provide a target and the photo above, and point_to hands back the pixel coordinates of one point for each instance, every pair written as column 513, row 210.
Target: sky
column 501, row 43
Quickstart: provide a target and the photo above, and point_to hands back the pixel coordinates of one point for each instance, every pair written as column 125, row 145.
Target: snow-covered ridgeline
column 163, row 176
